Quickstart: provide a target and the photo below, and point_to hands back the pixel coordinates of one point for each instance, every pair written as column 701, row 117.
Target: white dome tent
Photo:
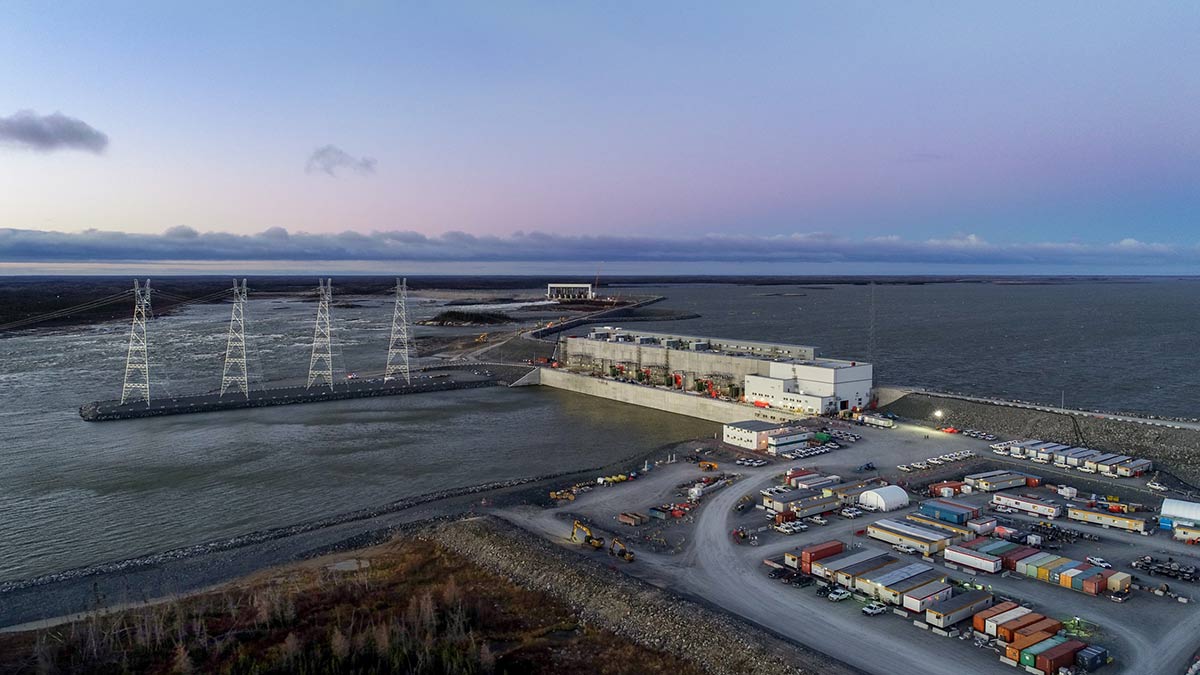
column 886, row 498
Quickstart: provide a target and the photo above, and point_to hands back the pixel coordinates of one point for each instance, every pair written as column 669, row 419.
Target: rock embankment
column 627, row 606
column 1176, row 450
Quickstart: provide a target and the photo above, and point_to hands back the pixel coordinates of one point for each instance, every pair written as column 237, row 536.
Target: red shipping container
column 1009, row 560
column 1008, row 630
column 1054, row 658
column 822, row 550
column 977, row 541
column 981, row 617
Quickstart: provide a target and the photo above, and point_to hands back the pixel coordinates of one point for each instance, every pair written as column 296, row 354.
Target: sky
column 1011, row 137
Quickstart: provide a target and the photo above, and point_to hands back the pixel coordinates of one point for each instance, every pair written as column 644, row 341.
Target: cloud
column 182, row 243
column 329, row 158
column 47, row 133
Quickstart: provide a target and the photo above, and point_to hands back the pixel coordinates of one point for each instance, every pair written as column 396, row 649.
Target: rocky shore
column 631, row 608
column 1176, row 450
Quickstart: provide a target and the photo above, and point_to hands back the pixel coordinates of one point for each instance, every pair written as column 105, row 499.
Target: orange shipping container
column 1023, row 642
column 1007, row 630
column 982, row 617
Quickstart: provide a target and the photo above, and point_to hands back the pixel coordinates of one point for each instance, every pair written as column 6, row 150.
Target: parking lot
column 711, row 562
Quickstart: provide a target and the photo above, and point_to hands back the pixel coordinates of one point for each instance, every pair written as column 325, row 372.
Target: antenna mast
column 320, row 366
column 397, row 358
column 137, row 361
column 234, row 376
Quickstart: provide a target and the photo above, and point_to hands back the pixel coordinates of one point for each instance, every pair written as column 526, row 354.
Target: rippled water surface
column 74, row 493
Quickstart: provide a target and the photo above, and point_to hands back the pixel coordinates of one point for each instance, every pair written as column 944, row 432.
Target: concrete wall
column 651, row 397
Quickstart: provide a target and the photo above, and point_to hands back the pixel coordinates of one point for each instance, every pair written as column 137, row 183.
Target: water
column 1117, row 346
column 74, row 493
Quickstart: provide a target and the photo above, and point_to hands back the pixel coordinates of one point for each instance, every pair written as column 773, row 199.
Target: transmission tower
column 397, row 358
column 234, row 376
column 320, row 367
column 137, row 361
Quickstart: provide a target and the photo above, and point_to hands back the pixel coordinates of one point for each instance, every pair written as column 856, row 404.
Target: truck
column 876, row 421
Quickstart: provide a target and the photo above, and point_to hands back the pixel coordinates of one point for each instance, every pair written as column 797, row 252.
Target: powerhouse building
column 767, row 374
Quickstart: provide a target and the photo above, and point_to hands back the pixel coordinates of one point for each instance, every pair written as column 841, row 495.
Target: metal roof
column 1178, row 508
column 960, row 602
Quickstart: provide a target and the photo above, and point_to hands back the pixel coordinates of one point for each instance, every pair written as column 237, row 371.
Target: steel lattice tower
column 137, row 360
column 320, row 366
column 234, row 376
column 397, row 358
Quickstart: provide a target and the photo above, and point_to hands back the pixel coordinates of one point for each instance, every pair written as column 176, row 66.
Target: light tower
column 137, row 361
column 320, row 366
column 234, row 376
column 397, row 358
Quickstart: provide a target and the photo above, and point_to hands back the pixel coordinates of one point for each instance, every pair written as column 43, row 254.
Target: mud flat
column 629, row 607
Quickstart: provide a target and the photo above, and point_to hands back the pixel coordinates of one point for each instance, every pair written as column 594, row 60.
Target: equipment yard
column 698, row 553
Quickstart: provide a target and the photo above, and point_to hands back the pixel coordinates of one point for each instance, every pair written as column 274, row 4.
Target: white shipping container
column 1002, row 618
column 968, row 558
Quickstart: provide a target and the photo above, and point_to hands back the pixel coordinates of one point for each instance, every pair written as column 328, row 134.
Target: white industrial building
column 757, row 434
column 886, row 498
column 570, row 292
column 814, row 386
column 768, row 375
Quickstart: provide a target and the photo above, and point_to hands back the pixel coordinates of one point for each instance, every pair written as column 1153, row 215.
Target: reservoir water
column 74, row 493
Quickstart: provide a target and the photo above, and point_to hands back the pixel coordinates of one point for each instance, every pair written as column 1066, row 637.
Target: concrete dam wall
column 650, row 397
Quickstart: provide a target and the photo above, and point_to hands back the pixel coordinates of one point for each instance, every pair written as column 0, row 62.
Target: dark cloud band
column 187, row 244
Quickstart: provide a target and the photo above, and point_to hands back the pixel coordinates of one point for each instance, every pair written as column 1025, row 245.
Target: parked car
column 904, row 548
column 838, row 595
column 817, row 520
column 874, row 609
column 868, row 507
column 802, row 580
column 1155, row 485
column 776, row 572
column 1099, row 562
column 904, row 467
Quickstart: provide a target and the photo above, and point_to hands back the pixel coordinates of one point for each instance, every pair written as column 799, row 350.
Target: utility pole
column 320, row 366
column 137, row 361
column 398, row 352
column 234, row 374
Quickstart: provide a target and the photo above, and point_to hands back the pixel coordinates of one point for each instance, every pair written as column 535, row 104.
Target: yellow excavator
column 483, row 337
column 708, row 466
column 594, row 542
column 623, row 553
column 562, row 495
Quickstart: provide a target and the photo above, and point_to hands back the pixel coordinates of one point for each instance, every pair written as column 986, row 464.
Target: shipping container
column 993, row 622
column 1054, row 658
column 985, row 525
column 973, row 559
column 1021, row 642
column 1029, row 655
column 1028, row 505
column 1015, row 556
column 1024, row 564
column 1091, row 658
column 979, row 620
column 1008, row 630
column 1120, row 582
column 1046, row 625
column 1055, row 576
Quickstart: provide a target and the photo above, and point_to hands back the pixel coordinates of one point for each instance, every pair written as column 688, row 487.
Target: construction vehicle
column 483, row 337
column 708, row 466
column 594, row 542
column 562, row 495
column 623, row 552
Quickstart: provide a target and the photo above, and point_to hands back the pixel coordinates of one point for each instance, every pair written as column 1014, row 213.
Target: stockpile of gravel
column 1177, row 450
column 626, row 606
